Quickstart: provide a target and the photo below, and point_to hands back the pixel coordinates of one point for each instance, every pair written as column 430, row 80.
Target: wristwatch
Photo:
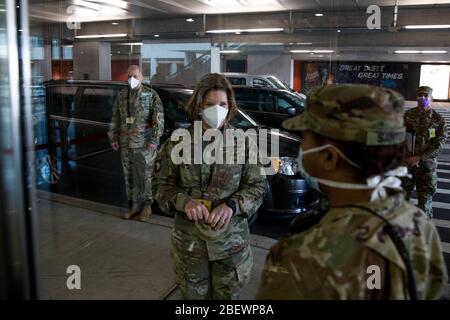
column 232, row 205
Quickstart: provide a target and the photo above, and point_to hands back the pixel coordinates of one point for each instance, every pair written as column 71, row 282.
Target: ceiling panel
column 101, row 10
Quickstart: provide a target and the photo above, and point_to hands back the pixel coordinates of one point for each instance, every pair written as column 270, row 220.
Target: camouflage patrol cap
column 425, row 89
column 208, row 232
column 353, row 112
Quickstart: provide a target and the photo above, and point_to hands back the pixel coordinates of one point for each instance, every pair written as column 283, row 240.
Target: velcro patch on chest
column 432, row 133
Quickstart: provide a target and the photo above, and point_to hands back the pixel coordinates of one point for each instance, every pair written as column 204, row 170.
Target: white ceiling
column 100, row 10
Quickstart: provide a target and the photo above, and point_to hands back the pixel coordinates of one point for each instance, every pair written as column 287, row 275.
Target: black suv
column 79, row 161
column 269, row 106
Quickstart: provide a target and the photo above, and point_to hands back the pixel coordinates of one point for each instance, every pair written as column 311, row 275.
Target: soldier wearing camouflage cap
column 137, row 124
column 368, row 242
column 211, row 203
column 430, row 133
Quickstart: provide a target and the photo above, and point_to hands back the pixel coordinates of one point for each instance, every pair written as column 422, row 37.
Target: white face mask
column 378, row 183
column 214, row 116
column 133, row 82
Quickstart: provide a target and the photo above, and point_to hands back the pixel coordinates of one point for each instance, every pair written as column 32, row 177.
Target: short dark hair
column 373, row 160
column 212, row 81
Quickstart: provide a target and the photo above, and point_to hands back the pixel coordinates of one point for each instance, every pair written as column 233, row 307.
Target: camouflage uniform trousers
column 424, row 178
column 137, row 166
column 201, row 279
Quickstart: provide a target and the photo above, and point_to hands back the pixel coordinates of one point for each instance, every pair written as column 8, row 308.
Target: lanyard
column 128, row 104
column 202, row 188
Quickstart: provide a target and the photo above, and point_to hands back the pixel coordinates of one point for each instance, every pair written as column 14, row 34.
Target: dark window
column 247, row 99
column 237, row 81
column 261, row 83
column 236, row 65
column 96, row 104
column 61, row 100
column 268, row 102
column 241, row 122
column 175, row 109
column 283, row 105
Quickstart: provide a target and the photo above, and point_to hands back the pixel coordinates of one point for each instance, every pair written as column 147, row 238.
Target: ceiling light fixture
column 190, row 20
column 419, row 51
column 312, row 51
column 429, row 26
column 318, row 14
column 156, row 35
column 407, row 51
column 245, row 30
column 129, row 44
column 229, row 51
column 112, row 35
column 115, row 23
column 434, row 51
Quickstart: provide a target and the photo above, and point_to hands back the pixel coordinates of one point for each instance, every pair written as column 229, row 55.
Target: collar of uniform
column 383, row 207
column 136, row 91
column 427, row 113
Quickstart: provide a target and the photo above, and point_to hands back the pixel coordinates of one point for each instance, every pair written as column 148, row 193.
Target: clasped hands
column 218, row 218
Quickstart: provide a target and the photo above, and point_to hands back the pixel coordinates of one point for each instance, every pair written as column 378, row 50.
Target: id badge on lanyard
column 204, row 200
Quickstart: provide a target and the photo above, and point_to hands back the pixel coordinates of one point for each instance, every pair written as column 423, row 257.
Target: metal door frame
column 18, row 243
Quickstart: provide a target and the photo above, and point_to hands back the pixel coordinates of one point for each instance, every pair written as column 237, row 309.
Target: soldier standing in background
column 370, row 243
column 211, row 202
column 430, row 132
column 136, row 126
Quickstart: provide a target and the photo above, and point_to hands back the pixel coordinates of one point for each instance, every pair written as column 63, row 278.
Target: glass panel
column 268, row 102
column 283, row 105
column 237, row 81
column 247, row 99
column 89, row 149
column 261, row 83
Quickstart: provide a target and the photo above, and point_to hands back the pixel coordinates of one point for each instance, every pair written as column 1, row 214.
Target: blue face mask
column 378, row 183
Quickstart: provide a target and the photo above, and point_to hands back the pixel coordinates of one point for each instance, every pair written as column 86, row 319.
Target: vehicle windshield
column 278, row 83
column 298, row 101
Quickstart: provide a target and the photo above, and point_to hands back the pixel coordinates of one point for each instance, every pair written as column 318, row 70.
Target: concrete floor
column 118, row 259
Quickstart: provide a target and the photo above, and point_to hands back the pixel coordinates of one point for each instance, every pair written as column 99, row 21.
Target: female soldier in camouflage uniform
column 370, row 243
column 211, row 203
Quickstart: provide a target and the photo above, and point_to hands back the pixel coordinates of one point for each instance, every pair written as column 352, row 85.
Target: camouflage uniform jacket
column 146, row 109
column 176, row 184
column 330, row 260
column 430, row 130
